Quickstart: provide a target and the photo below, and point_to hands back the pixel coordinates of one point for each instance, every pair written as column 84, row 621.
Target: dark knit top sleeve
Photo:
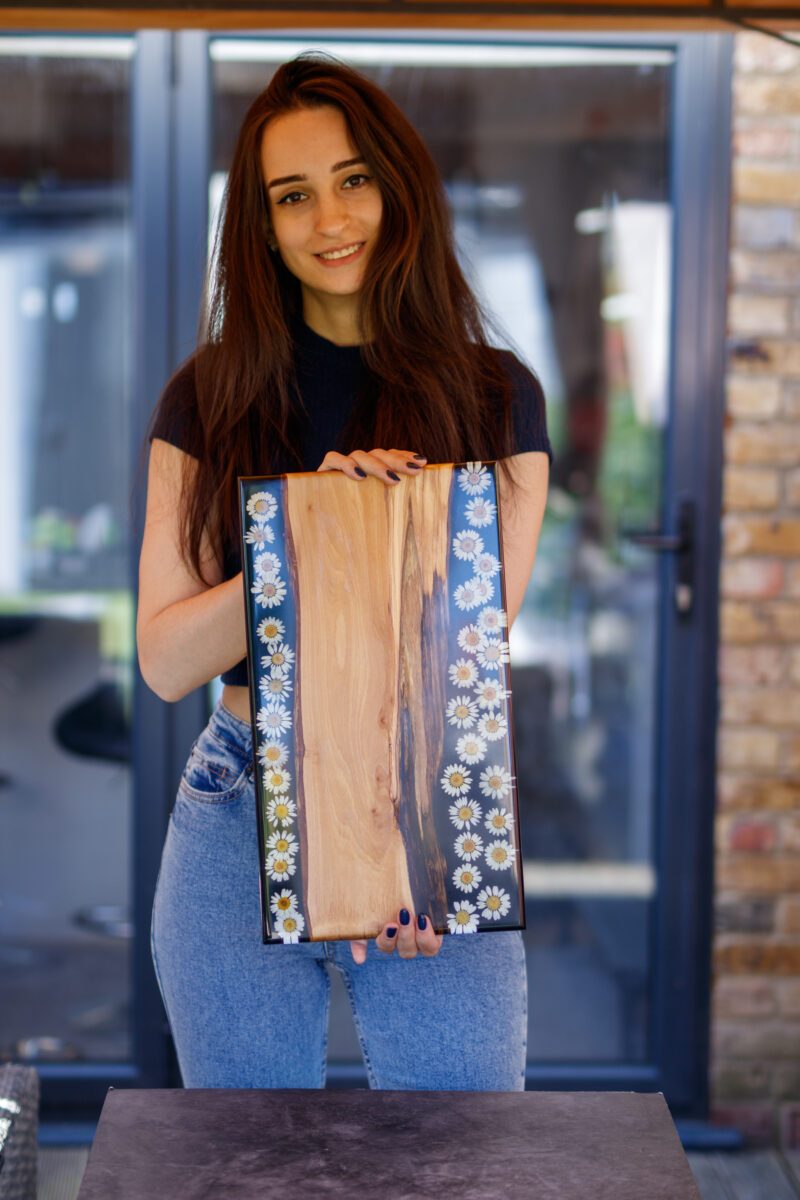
column 528, row 407
column 176, row 419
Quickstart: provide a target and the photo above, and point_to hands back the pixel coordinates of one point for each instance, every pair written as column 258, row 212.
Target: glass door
column 564, row 164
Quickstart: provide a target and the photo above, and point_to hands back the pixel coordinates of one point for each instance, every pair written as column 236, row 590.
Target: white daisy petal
column 499, row 855
column 284, row 902
column 267, row 565
column 282, row 810
column 269, row 592
column 262, row 507
column 470, row 638
column 282, row 842
column 474, row 478
column 270, row 630
column 274, row 685
column 494, row 903
column 495, row 782
column 456, row 780
column 462, row 711
column 466, row 877
column 273, row 718
column 470, row 748
column 492, row 726
column 482, row 587
column 493, row 654
column 259, row 535
column 491, row 620
column 467, row 544
column 465, row 813
column 463, row 672
column 499, row 821
column 280, row 867
column 279, row 660
column 469, row 845
column 272, row 753
column 289, row 926
column 489, row 693
column 480, row 512
column 465, row 596
column 463, row 918
column 277, row 780
column 486, row 564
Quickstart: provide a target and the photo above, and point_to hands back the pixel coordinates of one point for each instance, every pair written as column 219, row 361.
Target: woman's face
column 324, row 206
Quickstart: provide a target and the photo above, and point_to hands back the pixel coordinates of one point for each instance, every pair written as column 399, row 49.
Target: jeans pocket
column 216, row 772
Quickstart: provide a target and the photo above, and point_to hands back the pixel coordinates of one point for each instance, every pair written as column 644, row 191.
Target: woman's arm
column 522, row 511
column 187, row 631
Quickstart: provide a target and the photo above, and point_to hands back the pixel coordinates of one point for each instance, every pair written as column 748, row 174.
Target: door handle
column 682, row 544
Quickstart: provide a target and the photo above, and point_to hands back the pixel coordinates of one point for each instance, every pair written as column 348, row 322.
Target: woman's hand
column 405, row 935
column 386, row 465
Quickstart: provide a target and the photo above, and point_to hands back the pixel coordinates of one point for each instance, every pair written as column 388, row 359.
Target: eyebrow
column 340, row 166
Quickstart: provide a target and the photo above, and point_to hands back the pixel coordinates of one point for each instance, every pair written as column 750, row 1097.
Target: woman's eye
column 355, row 180
column 292, row 198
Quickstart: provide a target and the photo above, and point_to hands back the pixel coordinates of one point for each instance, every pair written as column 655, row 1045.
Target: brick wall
column 755, row 1068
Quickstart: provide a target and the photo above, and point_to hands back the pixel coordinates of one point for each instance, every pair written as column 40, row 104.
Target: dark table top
column 248, row 1143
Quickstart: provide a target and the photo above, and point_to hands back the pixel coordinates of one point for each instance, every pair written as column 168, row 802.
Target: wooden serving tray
column 379, row 688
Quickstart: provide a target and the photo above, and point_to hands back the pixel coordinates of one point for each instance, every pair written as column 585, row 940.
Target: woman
column 338, row 319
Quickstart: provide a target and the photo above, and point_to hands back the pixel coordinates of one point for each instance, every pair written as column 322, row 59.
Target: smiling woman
column 338, row 319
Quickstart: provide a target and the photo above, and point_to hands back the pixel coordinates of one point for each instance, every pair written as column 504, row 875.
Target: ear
column 273, row 245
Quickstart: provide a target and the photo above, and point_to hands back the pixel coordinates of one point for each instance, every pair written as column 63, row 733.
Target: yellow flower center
column 495, row 781
column 465, row 812
column 290, row 924
column 273, row 753
column 466, row 876
column 471, row 748
column 276, row 685
column 282, row 845
column 281, row 812
column 464, row 672
column 499, row 855
column 492, row 725
column 499, row 821
column 276, row 779
column 280, row 865
column 493, row 902
column 468, row 846
column 284, row 903
column 278, row 659
column 462, row 711
column 462, row 917
column 271, row 631
column 457, row 779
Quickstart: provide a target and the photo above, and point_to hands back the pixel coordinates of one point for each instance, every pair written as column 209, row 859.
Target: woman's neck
column 334, row 318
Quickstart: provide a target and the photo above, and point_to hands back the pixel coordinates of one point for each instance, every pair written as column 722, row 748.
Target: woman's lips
column 342, row 254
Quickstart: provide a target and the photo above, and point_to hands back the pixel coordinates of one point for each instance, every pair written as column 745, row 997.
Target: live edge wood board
column 379, row 685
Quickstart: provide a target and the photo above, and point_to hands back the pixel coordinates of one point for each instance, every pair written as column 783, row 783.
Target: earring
column 271, row 243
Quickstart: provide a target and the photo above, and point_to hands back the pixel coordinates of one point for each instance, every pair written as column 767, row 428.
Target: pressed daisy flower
column 492, row 726
column 474, row 478
column 269, row 592
column 496, row 782
column 456, row 780
column 267, row 565
column 261, row 507
column 499, row 856
column 463, row 918
column 480, row 512
column 470, row 638
column 470, row 748
column 465, row 596
column 284, row 902
column 281, row 811
column 279, row 659
column 493, row 654
column 270, row 630
column 482, row 587
column 462, row 712
column 463, row 673
column 282, row 842
column 491, row 620
column 272, row 754
column 487, row 565
column 289, row 927
column 275, row 684
column 277, row 780
column 469, row 845
column 466, row 544
column 259, row 535
column 273, row 718
column 280, row 867
column 494, row 903
column 465, row 813
column 499, row 820
column 488, row 693
column 466, row 878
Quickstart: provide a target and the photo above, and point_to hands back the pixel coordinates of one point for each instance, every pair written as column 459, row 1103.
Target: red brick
column 757, row 749
column 756, row 955
column 752, row 664
column 761, row 706
column 743, row 996
column 763, row 141
column 756, row 1120
column 752, row 578
column 752, row 835
column 761, row 535
column 737, row 793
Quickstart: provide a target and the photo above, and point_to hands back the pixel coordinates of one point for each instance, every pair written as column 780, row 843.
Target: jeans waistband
column 231, row 729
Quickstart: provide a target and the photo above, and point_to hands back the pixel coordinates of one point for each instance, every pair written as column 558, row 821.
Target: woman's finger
column 386, row 941
column 345, row 463
column 358, row 949
column 428, row 941
column 406, row 935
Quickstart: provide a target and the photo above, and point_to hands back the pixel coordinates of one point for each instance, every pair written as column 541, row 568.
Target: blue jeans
column 245, row 1014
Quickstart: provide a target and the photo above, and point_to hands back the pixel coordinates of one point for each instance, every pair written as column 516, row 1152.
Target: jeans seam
column 325, row 1024
column 371, row 1076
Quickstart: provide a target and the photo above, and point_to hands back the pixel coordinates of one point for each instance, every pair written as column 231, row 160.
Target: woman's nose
column 331, row 214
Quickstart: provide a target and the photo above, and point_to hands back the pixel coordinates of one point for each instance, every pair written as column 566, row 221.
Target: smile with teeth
column 330, row 255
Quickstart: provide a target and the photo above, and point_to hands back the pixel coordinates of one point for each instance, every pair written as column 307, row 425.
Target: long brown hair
column 429, row 362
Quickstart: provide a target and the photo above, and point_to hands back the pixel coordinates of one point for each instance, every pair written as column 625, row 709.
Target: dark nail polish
column 405, row 916
column 392, row 475
column 414, row 466
column 421, row 456
column 422, row 921
column 360, row 473
column 391, row 932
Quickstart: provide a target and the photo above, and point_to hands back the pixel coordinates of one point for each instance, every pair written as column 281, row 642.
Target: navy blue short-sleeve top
column 329, row 379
